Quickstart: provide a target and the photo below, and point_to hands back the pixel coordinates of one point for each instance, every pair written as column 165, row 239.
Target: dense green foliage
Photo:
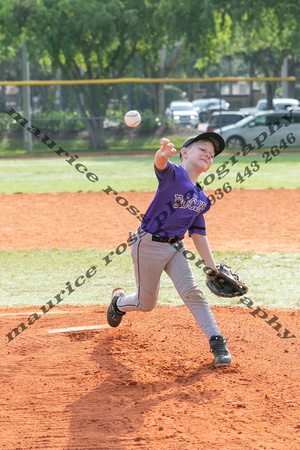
column 119, row 38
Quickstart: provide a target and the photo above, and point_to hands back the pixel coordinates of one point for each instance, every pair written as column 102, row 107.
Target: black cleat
column 114, row 316
column 220, row 350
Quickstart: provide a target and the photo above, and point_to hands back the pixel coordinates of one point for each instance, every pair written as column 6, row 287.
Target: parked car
column 206, row 106
column 222, row 119
column 278, row 104
column 183, row 113
column 248, row 129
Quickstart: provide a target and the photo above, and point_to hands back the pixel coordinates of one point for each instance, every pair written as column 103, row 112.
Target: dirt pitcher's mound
column 150, row 384
column 254, row 220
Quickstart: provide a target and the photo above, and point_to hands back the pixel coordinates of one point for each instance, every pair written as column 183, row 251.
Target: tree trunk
column 268, row 61
column 158, row 99
column 165, row 68
column 252, row 74
column 3, row 88
column 161, row 99
column 97, row 136
column 270, row 92
column 96, row 104
column 270, row 85
column 95, row 126
column 292, row 72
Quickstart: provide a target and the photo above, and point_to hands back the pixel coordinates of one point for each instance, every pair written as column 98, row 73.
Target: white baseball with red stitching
column 132, row 118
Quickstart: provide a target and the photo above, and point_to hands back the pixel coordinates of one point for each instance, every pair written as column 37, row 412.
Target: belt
column 170, row 240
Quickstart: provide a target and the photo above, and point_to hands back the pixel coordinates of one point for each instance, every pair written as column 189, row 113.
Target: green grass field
column 34, row 277
column 136, row 174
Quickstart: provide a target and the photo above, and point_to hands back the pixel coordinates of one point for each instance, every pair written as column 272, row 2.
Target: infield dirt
column 151, row 383
column 253, row 220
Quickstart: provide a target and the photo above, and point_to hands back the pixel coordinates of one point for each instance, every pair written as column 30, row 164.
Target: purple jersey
column 178, row 205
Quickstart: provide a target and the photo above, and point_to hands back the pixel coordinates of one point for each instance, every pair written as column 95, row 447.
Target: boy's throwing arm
column 163, row 154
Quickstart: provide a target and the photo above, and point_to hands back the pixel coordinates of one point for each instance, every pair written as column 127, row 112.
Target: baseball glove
column 223, row 283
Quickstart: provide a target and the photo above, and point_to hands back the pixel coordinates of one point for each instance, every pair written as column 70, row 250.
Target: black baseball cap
column 215, row 138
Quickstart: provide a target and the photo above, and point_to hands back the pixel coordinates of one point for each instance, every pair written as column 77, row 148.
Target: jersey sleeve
column 198, row 226
column 166, row 175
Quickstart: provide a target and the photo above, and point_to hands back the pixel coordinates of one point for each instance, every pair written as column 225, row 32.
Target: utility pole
column 26, row 97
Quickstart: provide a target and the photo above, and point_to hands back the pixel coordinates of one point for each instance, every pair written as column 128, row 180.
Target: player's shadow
column 106, row 417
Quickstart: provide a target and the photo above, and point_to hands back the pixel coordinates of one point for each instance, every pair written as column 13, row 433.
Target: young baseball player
column 178, row 206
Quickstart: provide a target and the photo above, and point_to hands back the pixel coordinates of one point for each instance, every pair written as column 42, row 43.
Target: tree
column 94, row 42
column 168, row 62
column 106, row 38
column 192, row 33
column 266, row 30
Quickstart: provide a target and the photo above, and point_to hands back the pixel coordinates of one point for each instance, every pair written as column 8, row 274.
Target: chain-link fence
column 72, row 113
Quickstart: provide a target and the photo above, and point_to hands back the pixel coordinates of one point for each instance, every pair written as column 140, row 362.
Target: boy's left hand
column 224, row 283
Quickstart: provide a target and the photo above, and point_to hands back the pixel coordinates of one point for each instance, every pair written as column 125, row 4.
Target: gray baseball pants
column 150, row 258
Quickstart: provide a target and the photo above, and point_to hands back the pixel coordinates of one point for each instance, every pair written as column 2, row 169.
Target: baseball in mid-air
column 132, row 118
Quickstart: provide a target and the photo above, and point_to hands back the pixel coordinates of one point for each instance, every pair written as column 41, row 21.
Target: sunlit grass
column 137, row 174
column 34, row 277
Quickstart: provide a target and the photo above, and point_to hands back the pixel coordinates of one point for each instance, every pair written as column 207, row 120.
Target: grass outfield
column 136, row 174
column 32, row 278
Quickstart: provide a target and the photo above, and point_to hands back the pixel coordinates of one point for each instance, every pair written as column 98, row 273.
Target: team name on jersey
column 191, row 203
